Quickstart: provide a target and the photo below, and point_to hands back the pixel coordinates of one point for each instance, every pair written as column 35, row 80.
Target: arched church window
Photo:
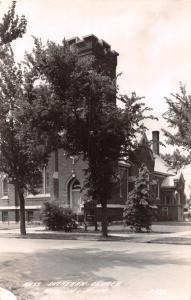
column 74, row 195
column 76, row 185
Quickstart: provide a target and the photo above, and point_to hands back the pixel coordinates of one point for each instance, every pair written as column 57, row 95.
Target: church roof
column 141, row 137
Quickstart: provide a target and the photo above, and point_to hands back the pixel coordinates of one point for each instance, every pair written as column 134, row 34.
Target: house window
column 56, row 161
column 158, row 191
column 17, row 216
column 43, row 187
column 167, row 200
column 39, row 187
column 5, row 216
column 30, row 216
column 56, row 187
column 5, row 187
column 165, row 211
column 47, row 181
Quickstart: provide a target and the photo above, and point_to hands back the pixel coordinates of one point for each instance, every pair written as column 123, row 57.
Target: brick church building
column 63, row 177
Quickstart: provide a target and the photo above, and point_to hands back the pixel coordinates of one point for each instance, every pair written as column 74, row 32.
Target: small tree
column 138, row 212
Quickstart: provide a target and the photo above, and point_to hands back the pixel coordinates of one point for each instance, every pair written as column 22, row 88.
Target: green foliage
column 176, row 160
column 178, row 117
column 12, row 149
column 85, row 113
column 81, row 109
column 57, row 218
column 23, row 152
column 19, row 157
column 138, row 212
column 12, row 27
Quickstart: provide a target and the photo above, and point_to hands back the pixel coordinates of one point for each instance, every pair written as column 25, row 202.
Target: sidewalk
column 160, row 234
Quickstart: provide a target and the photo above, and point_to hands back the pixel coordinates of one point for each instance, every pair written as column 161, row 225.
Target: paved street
column 102, row 270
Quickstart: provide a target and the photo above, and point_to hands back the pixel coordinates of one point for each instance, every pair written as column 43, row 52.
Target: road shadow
column 74, row 264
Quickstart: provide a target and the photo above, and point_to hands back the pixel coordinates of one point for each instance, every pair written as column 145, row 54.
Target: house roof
column 170, row 181
column 162, row 167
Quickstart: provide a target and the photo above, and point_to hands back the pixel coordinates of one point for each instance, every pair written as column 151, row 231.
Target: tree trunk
column 104, row 220
column 95, row 221
column 22, row 212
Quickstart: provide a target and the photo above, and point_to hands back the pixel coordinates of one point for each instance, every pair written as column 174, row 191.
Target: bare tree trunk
column 104, row 220
column 22, row 212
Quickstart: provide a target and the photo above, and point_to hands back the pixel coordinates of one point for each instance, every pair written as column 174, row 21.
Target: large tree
column 85, row 115
column 11, row 28
column 23, row 151
column 178, row 117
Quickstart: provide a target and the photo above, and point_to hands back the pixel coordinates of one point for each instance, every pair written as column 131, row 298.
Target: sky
column 152, row 37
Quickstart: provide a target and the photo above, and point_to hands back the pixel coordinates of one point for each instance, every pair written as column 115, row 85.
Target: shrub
column 80, row 218
column 57, row 218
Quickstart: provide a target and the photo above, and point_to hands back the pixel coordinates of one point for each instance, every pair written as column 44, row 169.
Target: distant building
column 170, row 197
column 168, row 187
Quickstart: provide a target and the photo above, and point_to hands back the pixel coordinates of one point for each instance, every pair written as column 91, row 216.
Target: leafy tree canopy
column 176, row 160
column 12, row 27
column 85, row 111
column 81, row 109
column 23, row 151
column 178, row 117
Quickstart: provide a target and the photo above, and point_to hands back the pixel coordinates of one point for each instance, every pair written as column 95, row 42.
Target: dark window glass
column 47, row 182
column 30, row 216
column 56, row 161
column 5, row 187
column 76, row 185
column 5, row 216
column 56, row 187
column 167, row 200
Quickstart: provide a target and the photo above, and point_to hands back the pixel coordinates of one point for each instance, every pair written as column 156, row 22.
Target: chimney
column 155, row 138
